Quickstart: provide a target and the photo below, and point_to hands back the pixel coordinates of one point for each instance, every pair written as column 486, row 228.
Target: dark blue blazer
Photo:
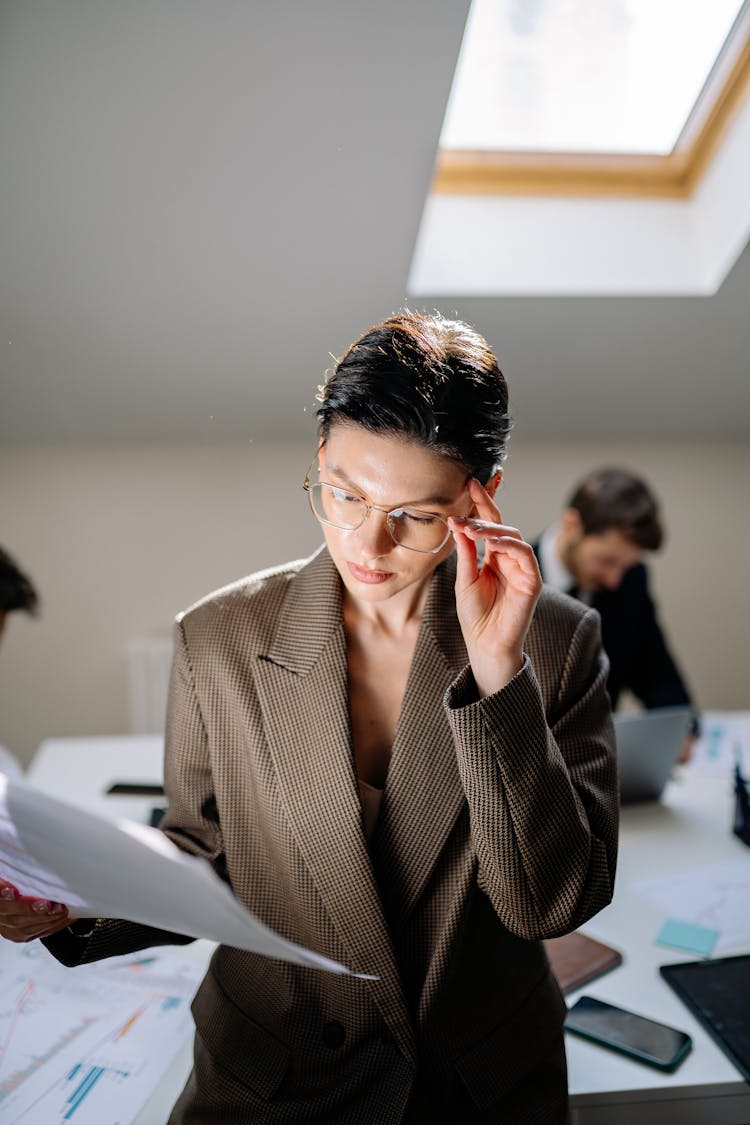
column 639, row 657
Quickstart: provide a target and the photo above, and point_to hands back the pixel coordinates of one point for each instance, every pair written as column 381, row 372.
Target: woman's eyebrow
column 337, row 471
column 346, row 479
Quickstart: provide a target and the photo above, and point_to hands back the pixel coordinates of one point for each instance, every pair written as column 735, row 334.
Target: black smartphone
column 135, row 789
column 633, row 1035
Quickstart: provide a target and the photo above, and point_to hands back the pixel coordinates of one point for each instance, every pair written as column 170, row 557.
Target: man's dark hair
column 16, row 590
column 618, row 500
column 433, row 380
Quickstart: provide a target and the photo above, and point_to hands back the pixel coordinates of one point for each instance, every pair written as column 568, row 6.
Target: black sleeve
column 651, row 671
column 96, row 939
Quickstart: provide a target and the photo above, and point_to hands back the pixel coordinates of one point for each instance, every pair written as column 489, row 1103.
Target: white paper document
column 91, row 1045
column 724, row 743
column 119, row 869
column 716, row 895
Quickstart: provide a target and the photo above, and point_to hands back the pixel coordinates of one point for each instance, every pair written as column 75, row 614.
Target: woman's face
column 391, row 472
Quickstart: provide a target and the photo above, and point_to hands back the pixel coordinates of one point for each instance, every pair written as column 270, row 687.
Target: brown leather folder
column 576, row 959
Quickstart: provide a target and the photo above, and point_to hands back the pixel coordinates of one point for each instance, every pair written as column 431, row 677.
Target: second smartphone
column 636, row 1036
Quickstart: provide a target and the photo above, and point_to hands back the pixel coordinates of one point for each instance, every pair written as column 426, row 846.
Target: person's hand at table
column 495, row 602
column 24, row 918
column 686, row 752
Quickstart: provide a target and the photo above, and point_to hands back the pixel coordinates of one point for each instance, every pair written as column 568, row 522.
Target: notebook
column 648, row 746
column 576, row 959
column 718, row 994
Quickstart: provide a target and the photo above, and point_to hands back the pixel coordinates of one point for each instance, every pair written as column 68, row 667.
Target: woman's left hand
column 496, row 602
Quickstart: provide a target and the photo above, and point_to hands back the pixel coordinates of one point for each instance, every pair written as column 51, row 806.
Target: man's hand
column 686, row 752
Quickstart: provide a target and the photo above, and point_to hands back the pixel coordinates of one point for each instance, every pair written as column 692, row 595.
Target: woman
column 396, row 756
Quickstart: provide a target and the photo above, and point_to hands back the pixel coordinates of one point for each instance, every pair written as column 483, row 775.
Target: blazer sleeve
column 653, row 675
column 190, row 821
column 542, row 792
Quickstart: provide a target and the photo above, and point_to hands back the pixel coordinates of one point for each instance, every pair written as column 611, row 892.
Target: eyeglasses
column 408, row 527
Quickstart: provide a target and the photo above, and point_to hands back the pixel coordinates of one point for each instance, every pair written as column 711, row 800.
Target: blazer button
column 333, row 1034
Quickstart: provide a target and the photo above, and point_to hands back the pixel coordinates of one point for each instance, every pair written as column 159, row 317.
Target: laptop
column 648, row 746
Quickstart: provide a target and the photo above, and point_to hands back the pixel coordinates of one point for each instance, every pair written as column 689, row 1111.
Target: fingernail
column 40, row 906
column 7, row 893
column 58, row 908
column 460, row 519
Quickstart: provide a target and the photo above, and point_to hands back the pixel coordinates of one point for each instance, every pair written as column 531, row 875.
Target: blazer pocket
column 237, row 1043
column 514, row 1047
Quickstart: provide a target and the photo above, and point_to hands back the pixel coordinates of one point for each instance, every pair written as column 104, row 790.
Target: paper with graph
column 715, row 895
column 120, row 869
column 89, row 1046
column 724, row 743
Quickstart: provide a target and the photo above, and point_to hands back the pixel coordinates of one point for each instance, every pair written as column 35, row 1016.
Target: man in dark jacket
column 16, row 590
column 16, row 593
column 595, row 552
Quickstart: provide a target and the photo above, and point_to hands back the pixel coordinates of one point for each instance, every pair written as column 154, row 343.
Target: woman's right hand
column 24, row 918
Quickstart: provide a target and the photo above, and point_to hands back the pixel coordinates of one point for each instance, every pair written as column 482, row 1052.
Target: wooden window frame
column 675, row 175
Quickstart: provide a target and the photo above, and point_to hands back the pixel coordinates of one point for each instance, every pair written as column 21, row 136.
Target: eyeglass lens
column 419, row 531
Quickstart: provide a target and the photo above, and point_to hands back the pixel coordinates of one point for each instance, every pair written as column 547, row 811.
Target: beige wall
column 118, row 539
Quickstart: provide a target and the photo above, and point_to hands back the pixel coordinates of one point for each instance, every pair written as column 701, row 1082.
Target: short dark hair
column 427, row 378
column 615, row 499
column 16, row 590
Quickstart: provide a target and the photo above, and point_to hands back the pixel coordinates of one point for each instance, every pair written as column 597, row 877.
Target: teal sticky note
column 687, row 935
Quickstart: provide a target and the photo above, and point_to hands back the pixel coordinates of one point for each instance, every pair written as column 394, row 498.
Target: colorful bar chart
column 88, row 1045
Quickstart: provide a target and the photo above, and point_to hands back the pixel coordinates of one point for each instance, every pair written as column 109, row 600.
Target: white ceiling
column 199, row 201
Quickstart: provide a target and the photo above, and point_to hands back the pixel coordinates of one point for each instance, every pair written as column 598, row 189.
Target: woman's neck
column 393, row 617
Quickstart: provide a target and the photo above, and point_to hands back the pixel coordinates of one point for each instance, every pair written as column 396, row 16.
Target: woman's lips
column 373, row 577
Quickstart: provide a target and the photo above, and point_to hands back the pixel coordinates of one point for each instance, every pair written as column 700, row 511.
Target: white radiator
column 149, row 665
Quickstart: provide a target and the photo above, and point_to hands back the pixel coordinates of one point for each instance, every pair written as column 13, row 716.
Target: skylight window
column 583, row 76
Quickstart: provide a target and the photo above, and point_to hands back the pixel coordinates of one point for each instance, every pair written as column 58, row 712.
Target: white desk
column 80, row 770
column 690, row 827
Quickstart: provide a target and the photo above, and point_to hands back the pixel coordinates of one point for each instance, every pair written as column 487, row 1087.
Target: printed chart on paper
column 88, row 1045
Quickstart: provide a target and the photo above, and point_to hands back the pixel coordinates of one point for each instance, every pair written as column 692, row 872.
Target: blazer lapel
column 423, row 794
column 302, row 688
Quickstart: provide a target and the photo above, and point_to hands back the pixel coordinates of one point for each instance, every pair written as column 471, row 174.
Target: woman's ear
column 493, row 483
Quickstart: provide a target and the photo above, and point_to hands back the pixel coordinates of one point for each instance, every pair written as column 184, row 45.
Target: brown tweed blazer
column 498, row 828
